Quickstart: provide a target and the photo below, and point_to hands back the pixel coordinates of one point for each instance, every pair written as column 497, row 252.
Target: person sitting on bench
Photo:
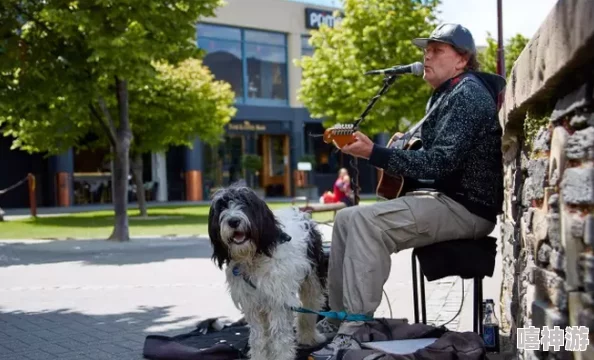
column 461, row 138
column 341, row 191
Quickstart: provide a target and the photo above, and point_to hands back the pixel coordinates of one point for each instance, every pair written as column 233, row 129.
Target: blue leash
column 338, row 315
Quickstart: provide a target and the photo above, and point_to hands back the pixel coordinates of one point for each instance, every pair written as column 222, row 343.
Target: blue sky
column 480, row 16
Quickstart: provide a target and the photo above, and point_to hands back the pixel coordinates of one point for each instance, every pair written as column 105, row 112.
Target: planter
column 310, row 193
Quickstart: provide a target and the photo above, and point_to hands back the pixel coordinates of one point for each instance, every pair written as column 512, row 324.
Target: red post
column 32, row 198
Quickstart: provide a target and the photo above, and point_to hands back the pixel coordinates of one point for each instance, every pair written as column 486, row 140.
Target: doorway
column 275, row 179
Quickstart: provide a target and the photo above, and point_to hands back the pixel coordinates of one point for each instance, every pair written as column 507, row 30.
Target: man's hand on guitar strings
column 361, row 148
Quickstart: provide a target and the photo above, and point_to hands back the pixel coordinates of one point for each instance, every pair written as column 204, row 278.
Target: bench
column 466, row 258
column 317, row 208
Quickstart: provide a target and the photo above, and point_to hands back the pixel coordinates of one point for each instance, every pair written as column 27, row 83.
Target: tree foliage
column 512, row 50
column 69, row 67
column 374, row 34
column 182, row 102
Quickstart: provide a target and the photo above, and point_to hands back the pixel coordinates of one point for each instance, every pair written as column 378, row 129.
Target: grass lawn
column 187, row 220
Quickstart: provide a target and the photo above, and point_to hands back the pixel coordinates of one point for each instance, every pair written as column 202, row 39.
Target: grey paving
column 93, row 299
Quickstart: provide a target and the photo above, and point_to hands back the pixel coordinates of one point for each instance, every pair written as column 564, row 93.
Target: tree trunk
column 137, row 176
column 121, row 165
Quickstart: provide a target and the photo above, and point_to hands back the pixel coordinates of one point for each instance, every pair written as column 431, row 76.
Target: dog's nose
column 234, row 222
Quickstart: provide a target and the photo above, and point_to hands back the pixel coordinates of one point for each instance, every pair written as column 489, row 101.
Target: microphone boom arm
column 387, row 82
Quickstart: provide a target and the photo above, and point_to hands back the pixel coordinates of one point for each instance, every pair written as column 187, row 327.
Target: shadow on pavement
column 102, row 252
column 65, row 334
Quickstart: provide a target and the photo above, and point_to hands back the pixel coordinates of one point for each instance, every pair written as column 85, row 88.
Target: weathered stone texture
column 577, row 186
column 536, row 181
column 542, row 140
column 581, row 145
column 548, row 228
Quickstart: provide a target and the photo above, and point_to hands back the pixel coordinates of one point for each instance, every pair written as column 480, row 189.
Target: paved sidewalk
column 98, row 300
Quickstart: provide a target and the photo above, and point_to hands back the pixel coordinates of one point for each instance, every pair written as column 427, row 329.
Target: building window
column 223, row 54
column 306, row 49
column 253, row 62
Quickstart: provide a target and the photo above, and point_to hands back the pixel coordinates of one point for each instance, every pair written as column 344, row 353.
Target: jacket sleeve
column 463, row 120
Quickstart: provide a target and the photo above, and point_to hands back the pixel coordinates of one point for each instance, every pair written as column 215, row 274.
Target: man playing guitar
column 461, row 157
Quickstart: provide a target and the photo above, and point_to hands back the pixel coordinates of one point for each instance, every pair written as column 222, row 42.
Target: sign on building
column 316, row 17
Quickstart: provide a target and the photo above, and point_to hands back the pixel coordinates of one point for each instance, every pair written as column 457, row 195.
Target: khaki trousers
column 364, row 237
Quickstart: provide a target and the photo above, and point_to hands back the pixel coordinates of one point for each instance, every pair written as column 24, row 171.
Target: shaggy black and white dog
column 273, row 264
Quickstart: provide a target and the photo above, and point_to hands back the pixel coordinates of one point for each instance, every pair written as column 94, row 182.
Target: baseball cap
column 454, row 34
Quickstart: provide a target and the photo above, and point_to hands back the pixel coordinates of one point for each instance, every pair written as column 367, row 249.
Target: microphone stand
column 387, row 82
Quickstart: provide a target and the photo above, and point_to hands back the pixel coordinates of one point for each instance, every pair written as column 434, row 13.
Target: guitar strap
column 401, row 143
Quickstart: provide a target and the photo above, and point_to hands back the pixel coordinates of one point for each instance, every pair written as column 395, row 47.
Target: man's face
column 442, row 62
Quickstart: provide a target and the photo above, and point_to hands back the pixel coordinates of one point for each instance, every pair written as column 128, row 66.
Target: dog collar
column 237, row 272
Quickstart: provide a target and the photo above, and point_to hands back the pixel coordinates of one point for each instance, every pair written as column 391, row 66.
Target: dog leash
column 338, row 315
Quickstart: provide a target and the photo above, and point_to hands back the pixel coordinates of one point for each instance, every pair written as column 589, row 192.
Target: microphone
column 415, row 68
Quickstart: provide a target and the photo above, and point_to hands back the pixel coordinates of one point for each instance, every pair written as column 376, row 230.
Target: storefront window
column 224, row 56
column 306, row 49
column 253, row 62
column 267, row 72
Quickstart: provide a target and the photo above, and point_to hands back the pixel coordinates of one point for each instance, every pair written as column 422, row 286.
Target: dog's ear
column 266, row 229
column 220, row 254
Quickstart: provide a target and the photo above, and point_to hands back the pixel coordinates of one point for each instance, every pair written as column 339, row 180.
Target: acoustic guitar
column 389, row 186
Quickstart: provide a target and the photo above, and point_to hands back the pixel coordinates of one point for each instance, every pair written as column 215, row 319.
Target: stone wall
column 547, row 227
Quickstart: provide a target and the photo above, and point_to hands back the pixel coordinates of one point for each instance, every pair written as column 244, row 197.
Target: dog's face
column 240, row 225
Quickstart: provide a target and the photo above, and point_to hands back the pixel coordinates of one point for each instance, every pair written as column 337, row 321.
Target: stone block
column 557, row 260
column 587, row 299
column 573, row 248
column 586, row 270
column 554, row 231
column 550, row 287
column 557, row 156
column 576, row 100
column 580, row 121
column 542, row 140
column 577, row 186
column 589, row 230
column 539, row 225
column 543, row 314
column 554, row 203
column 538, row 171
column 577, row 227
column 586, row 318
column 580, row 145
column 543, row 254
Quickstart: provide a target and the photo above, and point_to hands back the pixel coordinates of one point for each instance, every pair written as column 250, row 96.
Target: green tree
column 64, row 62
column 513, row 49
column 184, row 101
column 374, row 34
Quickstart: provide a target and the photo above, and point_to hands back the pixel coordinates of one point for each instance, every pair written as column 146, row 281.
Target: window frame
column 245, row 99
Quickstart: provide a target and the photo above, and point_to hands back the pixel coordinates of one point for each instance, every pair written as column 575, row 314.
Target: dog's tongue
column 238, row 236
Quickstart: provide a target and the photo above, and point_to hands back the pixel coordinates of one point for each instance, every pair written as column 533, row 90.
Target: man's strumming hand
column 361, row 148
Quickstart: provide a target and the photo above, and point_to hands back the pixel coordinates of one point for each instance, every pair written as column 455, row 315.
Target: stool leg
column 478, row 306
column 423, row 307
column 479, row 301
column 415, row 289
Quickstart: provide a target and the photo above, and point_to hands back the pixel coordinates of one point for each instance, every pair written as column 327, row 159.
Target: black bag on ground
column 209, row 341
column 450, row 345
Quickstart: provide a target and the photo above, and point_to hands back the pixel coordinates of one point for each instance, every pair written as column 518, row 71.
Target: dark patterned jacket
column 461, row 145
